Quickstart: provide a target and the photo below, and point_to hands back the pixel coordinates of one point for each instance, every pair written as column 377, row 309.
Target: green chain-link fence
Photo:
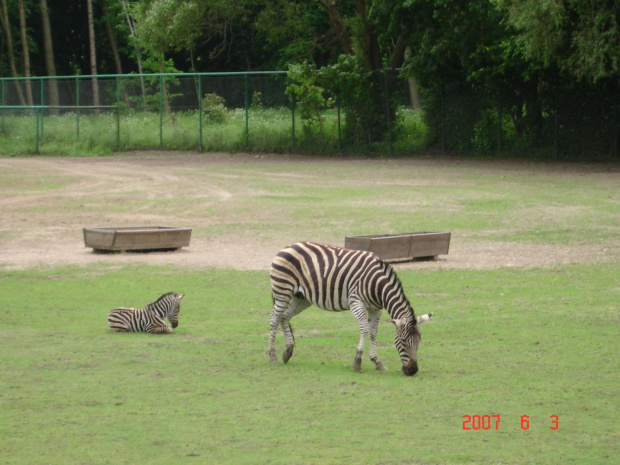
column 253, row 111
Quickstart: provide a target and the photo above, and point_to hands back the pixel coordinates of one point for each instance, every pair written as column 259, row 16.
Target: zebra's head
column 174, row 309
column 407, row 339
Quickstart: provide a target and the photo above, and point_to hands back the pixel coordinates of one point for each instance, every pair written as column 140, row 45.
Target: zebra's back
column 324, row 275
column 126, row 319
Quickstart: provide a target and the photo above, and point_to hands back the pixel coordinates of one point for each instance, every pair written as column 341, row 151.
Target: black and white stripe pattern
column 149, row 319
column 338, row 279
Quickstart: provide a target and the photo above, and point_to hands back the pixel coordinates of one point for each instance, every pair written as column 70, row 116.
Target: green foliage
column 214, row 108
column 162, row 25
column 580, row 38
column 257, row 101
column 518, row 61
column 359, row 94
column 289, row 30
column 309, row 96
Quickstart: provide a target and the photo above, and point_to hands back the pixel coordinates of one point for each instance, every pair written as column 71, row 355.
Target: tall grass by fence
column 252, row 111
column 205, row 112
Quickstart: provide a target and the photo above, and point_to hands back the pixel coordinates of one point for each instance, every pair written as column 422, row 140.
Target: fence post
column 2, row 102
column 499, row 125
column 339, row 130
column 556, row 142
column 293, row 117
column 41, row 103
column 201, row 146
column 37, row 112
column 443, row 119
column 246, row 104
column 614, row 133
column 161, row 110
column 118, row 112
column 77, row 110
column 387, row 108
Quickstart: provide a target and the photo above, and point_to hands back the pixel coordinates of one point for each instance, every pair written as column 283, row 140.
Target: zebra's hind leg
column 295, row 306
column 273, row 328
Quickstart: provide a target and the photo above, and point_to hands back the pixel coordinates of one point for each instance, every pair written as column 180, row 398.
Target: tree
column 93, row 53
column 25, row 50
column 161, row 25
column 134, row 40
column 580, row 37
column 4, row 20
column 49, row 53
column 109, row 27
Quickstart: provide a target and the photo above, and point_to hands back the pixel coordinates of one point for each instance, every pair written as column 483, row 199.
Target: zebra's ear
column 423, row 318
column 398, row 323
column 180, row 296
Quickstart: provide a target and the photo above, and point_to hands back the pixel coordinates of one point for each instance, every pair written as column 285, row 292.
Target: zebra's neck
column 393, row 297
column 158, row 308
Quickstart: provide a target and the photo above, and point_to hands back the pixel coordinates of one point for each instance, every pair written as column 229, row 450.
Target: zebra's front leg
column 359, row 311
column 373, row 320
column 160, row 330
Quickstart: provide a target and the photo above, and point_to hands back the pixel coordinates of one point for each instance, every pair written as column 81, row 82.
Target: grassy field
column 506, row 341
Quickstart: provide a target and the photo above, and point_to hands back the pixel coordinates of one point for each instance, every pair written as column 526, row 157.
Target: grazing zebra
column 337, row 279
column 149, row 319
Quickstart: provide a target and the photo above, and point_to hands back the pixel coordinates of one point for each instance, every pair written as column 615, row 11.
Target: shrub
column 214, row 108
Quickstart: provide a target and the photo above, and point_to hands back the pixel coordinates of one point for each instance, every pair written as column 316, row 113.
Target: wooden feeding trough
column 402, row 247
column 137, row 238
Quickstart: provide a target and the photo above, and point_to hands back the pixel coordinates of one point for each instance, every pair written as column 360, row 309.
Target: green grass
column 394, row 197
column 268, row 130
column 507, row 341
column 511, row 342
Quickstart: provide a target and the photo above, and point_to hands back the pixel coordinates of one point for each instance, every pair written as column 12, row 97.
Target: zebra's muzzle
column 175, row 324
column 411, row 368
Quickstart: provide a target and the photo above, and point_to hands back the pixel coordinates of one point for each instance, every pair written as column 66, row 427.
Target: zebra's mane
column 155, row 302
column 389, row 271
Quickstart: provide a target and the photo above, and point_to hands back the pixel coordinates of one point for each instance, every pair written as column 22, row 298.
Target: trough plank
column 404, row 246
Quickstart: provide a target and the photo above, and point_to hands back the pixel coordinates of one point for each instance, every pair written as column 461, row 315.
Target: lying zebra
column 149, row 319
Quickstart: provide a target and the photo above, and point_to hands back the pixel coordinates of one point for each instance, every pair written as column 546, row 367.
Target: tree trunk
column 25, row 51
column 370, row 42
column 164, row 89
column 414, row 93
column 132, row 31
column 93, row 54
column 113, row 40
column 49, row 56
column 4, row 20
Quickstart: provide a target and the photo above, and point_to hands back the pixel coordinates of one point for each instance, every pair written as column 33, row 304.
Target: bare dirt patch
column 45, row 203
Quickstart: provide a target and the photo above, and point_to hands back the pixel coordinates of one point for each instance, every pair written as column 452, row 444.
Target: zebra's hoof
column 357, row 364
column 273, row 360
column 286, row 355
column 381, row 366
